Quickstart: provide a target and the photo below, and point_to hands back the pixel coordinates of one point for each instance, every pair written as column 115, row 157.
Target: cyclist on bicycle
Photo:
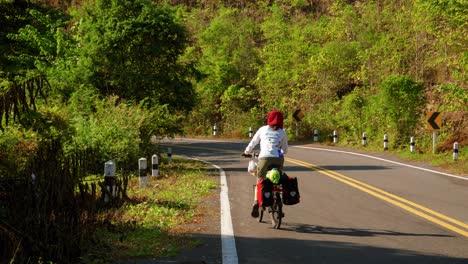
column 273, row 145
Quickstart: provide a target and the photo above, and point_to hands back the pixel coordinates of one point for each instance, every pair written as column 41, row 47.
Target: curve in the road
column 407, row 205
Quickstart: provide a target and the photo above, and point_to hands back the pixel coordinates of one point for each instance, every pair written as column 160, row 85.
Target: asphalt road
column 353, row 209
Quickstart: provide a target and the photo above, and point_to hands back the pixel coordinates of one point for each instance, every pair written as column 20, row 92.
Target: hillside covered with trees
column 82, row 82
column 352, row 66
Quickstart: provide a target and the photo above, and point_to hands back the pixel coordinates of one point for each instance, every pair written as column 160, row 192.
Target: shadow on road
column 311, row 229
column 287, row 251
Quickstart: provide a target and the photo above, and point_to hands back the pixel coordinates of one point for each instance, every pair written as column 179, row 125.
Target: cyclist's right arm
column 253, row 143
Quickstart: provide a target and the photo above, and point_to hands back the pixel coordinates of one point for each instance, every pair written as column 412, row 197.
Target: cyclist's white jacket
column 272, row 143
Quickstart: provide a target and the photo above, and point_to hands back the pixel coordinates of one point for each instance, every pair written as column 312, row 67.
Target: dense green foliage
column 402, row 100
column 337, row 61
column 58, row 70
column 230, row 64
column 370, row 66
column 131, row 49
column 107, row 77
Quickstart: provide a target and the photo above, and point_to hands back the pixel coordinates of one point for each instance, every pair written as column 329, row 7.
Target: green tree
column 229, row 63
column 276, row 75
column 27, row 43
column 351, row 113
column 446, row 25
column 402, row 99
column 132, row 49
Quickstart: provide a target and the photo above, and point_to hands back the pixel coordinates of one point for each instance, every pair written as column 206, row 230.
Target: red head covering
column 275, row 117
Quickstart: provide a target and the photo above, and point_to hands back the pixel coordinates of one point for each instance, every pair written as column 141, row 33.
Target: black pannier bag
column 264, row 192
column 290, row 191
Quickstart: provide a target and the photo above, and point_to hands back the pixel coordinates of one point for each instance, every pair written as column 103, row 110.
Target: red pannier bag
column 290, row 191
column 264, row 192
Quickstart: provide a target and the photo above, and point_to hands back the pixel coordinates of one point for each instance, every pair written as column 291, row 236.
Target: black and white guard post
column 142, row 166
column 335, row 136
column 297, row 129
column 33, row 178
column 155, row 164
column 214, row 130
column 315, row 135
column 455, row 151
column 385, row 142
column 412, row 145
column 250, row 132
column 169, row 155
column 109, row 179
column 364, row 138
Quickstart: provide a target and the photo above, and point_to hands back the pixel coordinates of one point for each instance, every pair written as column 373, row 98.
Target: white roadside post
column 335, row 136
column 315, row 135
column 364, row 138
column 142, row 166
column 412, row 145
column 250, row 132
column 385, row 142
column 434, row 141
column 33, row 178
column 154, row 168
column 169, row 155
column 214, row 130
column 455, row 151
column 109, row 179
column 297, row 129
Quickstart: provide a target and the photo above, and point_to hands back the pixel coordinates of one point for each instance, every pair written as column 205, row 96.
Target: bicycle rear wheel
column 276, row 212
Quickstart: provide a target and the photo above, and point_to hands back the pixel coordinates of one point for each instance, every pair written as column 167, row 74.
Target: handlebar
column 249, row 155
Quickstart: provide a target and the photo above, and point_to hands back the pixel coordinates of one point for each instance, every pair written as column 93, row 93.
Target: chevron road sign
column 298, row 115
column 434, row 120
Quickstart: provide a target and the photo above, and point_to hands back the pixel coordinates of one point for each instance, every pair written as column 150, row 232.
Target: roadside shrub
column 17, row 147
column 157, row 122
column 351, row 114
column 112, row 131
column 402, row 102
column 117, row 130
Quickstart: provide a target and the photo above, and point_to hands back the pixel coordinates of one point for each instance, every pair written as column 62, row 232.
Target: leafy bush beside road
column 149, row 225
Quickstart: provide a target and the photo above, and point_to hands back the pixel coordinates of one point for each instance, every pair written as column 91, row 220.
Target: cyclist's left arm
column 284, row 143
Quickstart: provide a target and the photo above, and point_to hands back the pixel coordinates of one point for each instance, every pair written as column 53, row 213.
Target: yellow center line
column 376, row 192
column 388, row 197
column 396, row 197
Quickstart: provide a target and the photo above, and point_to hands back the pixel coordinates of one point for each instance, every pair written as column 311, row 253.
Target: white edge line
column 228, row 242
column 390, row 161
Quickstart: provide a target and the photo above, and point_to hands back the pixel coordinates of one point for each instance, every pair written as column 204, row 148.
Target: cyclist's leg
column 262, row 167
column 255, row 205
column 279, row 162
